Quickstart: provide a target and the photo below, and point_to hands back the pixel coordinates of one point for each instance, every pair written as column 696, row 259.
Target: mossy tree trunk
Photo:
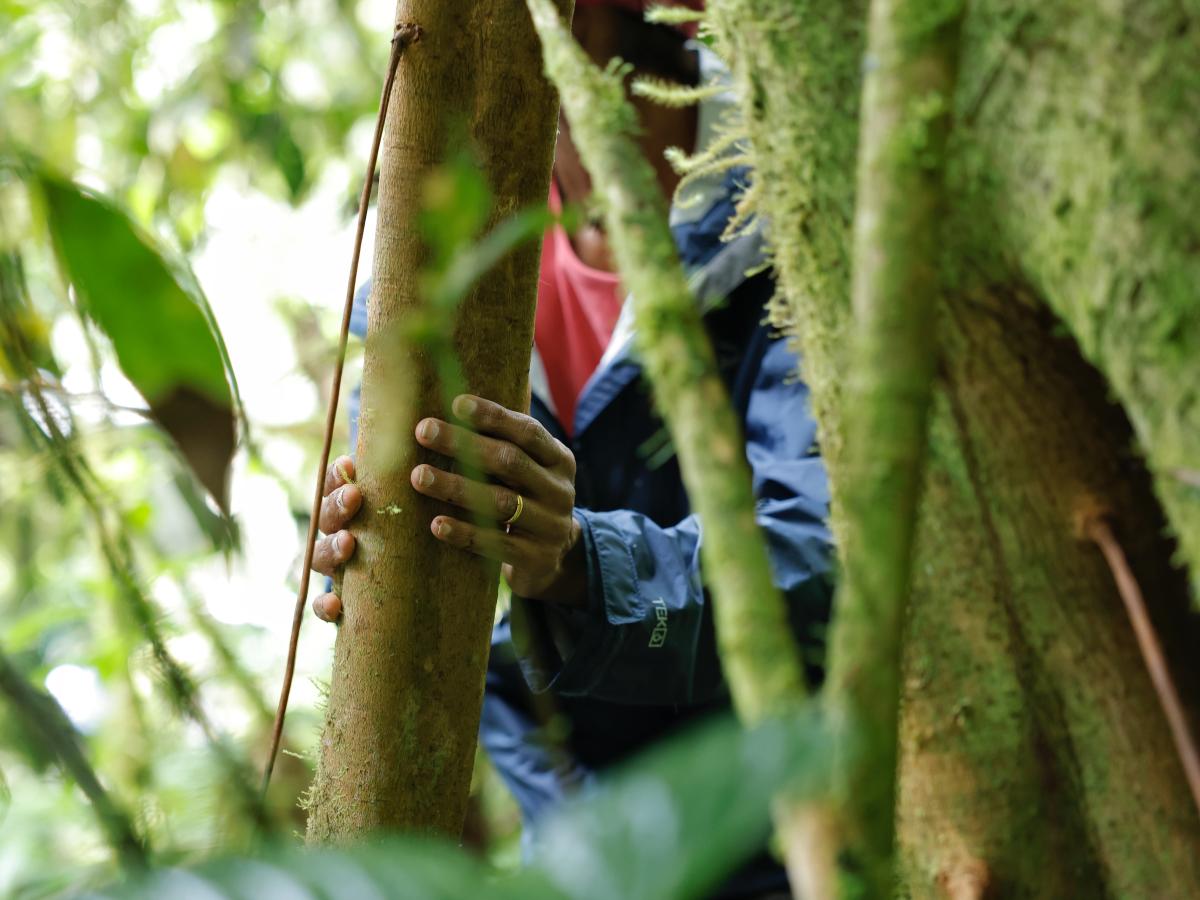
column 412, row 649
column 896, row 298
column 1034, row 759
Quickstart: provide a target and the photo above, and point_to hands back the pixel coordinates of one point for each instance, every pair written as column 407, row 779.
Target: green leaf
column 24, row 335
column 159, row 330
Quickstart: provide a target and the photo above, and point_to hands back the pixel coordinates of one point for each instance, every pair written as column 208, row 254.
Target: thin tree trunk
column 907, row 98
column 760, row 659
column 412, row 649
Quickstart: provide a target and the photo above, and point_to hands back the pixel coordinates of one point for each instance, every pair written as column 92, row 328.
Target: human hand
column 342, row 501
column 540, row 552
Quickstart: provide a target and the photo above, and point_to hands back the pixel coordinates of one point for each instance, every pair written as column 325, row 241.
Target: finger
column 338, row 508
column 502, row 459
column 526, row 432
column 328, row 607
column 340, row 471
column 488, row 501
column 332, row 552
column 488, row 542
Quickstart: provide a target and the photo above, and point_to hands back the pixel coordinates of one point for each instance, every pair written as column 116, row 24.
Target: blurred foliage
column 671, row 824
column 163, row 336
column 156, row 99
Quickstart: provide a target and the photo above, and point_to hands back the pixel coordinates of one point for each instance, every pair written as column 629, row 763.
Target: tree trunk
column 1034, row 758
column 412, row 649
column 1098, row 209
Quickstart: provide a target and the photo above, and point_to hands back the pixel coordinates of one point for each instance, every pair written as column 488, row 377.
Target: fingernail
column 339, row 497
column 424, row 476
column 340, row 541
column 429, row 430
column 467, row 406
column 442, row 529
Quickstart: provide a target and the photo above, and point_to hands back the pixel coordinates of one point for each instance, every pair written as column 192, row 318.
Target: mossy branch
column 745, row 212
column 761, row 660
column 686, row 163
column 673, row 15
column 671, row 93
column 910, row 77
column 796, row 66
column 717, row 167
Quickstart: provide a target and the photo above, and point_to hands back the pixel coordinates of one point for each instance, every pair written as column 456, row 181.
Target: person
column 609, row 617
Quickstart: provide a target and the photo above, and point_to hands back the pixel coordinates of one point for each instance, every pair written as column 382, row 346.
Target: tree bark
column 412, row 649
column 1034, row 760
column 1100, row 208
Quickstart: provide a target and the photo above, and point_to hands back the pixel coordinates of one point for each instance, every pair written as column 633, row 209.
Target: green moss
column 797, row 67
column 1100, row 207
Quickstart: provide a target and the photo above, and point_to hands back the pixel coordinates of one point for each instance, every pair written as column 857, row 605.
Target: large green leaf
column 670, row 825
column 165, row 343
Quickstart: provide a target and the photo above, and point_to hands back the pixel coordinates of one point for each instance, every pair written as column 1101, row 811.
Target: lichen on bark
column 1100, row 208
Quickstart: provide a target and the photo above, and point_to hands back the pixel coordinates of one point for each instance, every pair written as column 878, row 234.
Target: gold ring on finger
column 512, row 520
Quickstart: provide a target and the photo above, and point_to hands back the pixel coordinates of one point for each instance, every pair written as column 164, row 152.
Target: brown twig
column 405, row 34
column 1097, row 529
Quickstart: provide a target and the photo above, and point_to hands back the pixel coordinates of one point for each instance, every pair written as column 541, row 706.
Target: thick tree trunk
column 1084, row 166
column 1034, row 759
column 412, row 649
column 1018, row 644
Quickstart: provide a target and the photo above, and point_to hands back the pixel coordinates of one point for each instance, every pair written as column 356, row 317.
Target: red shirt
column 577, row 309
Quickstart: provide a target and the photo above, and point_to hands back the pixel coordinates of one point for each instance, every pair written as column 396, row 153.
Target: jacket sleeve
column 646, row 635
